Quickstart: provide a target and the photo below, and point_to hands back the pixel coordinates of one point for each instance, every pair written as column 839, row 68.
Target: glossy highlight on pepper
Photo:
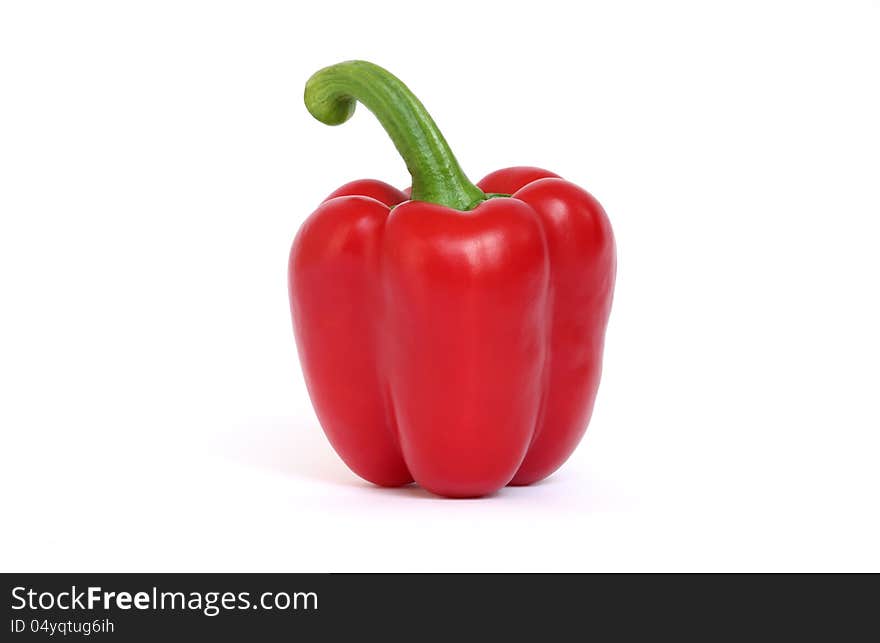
column 452, row 337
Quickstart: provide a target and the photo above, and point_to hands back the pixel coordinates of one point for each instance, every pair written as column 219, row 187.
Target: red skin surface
column 462, row 350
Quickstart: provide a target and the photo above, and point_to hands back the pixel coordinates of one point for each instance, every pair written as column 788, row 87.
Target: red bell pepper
column 453, row 337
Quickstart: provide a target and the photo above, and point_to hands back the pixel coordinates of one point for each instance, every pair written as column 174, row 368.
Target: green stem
column 331, row 95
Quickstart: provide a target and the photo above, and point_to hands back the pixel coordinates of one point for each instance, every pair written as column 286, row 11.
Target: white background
column 156, row 160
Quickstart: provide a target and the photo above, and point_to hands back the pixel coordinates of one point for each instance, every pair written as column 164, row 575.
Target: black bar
column 544, row 607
